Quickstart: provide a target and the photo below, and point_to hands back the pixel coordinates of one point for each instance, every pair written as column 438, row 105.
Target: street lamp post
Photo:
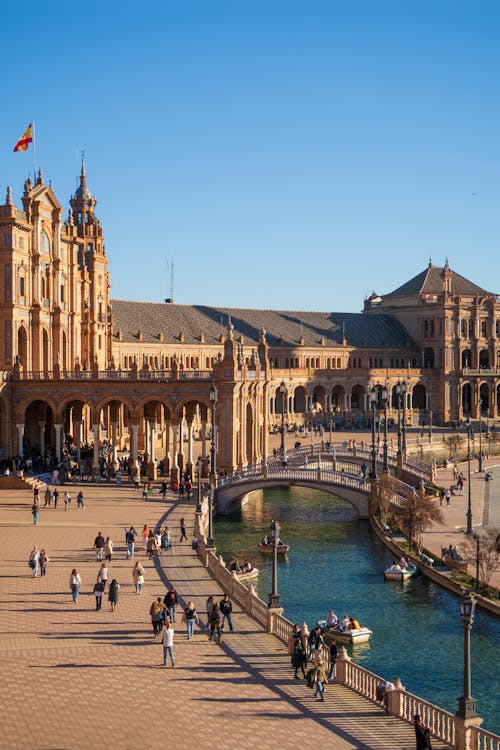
column 283, row 392
column 212, row 394
column 480, row 459
column 469, row 506
column 430, row 426
column 385, row 399
column 213, row 401
column 373, row 402
column 477, row 539
column 404, row 391
column 198, row 469
column 466, row 703
column 274, row 535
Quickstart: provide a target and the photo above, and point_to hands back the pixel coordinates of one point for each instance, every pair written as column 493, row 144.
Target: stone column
column 114, row 444
column 179, row 445
column 77, row 431
column 41, row 425
column 167, row 459
column 95, row 462
column 20, row 436
column 174, row 471
column 189, row 464
column 134, row 441
column 58, row 429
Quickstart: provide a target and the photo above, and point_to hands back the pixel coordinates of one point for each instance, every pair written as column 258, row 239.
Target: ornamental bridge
column 339, row 469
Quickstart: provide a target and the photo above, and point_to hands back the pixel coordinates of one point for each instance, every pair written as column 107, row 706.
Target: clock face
column 45, row 243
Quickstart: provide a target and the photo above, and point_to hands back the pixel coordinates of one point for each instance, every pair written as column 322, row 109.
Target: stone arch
column 299, row 400
column 319, row 399
column 419, row 397
column 38, row 434
column 466, row 358
column 357, row 397
column 484, row 359
column 484, row 398
column 280, row 400
column 22, row 346
column 338, row 397
column 466, row 399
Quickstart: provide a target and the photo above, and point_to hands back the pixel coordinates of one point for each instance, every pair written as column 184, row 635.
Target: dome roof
column 83, row 194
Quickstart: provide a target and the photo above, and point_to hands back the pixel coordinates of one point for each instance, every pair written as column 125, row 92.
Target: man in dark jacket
column 171, row 602
column 226, row 608
column 422, row 734
column 99, row 543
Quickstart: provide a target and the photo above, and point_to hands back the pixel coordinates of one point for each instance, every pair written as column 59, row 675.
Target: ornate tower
column 94, row 288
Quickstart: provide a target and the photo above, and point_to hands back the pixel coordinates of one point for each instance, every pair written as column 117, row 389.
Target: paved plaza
column 74, row 678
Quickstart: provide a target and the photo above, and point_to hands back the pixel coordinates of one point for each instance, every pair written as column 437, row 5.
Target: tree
column 485, row 551
column 415, row 514
column 386, row 489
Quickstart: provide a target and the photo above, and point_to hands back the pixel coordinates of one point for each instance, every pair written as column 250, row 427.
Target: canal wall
column 440, row 577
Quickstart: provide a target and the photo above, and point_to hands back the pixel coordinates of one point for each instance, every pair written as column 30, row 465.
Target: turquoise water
column 335, row 562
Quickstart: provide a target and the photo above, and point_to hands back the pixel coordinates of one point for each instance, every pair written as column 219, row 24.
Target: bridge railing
column 311, row 474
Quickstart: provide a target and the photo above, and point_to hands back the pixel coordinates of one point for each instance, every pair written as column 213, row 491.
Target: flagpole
column 34, row 148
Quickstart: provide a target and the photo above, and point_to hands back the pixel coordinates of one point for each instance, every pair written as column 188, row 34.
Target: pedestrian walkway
column 73, row 677
column 484, row 513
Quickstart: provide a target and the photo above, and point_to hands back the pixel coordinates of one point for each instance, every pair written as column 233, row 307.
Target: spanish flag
column 25, row 139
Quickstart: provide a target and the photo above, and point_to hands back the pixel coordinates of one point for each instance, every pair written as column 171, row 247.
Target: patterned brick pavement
column 74, row 678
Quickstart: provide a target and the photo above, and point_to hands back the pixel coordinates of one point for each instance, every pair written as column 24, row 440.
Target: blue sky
column 286, row 154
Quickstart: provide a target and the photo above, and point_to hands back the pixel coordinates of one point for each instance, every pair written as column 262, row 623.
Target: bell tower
column 95, row 287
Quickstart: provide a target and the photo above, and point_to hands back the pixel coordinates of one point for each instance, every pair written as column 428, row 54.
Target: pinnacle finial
column 8, row 199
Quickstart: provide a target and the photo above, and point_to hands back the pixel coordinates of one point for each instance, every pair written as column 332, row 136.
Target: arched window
column 45, row 242
column 484, row 328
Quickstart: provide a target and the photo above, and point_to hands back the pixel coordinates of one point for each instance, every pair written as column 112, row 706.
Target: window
column 471, row 328
column 45, row 243
column 22, row 286
column 484, row 329
column 62, row 294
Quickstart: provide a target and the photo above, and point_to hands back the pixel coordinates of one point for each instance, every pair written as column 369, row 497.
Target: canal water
column 335, row 562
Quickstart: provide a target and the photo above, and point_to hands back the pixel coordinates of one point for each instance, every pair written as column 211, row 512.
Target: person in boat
column 395, row 566
column 265, row 540
column 235, row 566
column 403, row 564
column 247, row 567
column 354, row 624
column 332, row 619
column 346, row 622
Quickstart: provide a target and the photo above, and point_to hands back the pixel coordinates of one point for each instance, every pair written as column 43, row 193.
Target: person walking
column 190, row 618
column 34, row 560
column 422, row 733
column 163, row 490
column 75, row 582
column 156, row 612
column 99, row 543
column 183, row 530
column 320, row 679
column 114, row 594
column 43, row 560
column 35, row 510
column 80, row 503
column 208, row 608
column 226, row 610
column 55, row 497
column 98, row 593
column 138, row 577
column 47, row 498
column 67, row 500
column 108, row 549
column 145, row 537
column 214, row 622
column 103, row 574
column 333, row 659
column 168, row 643
column 166, row 538
column 170, row 601
column 298, row 658
column 130, row 536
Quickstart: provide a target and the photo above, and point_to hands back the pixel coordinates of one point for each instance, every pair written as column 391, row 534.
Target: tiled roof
column 283, row 327
column 430, row 281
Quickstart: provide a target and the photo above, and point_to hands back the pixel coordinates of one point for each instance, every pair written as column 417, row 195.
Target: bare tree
column 415, row 514
column 386, row 489
column 483, row 549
